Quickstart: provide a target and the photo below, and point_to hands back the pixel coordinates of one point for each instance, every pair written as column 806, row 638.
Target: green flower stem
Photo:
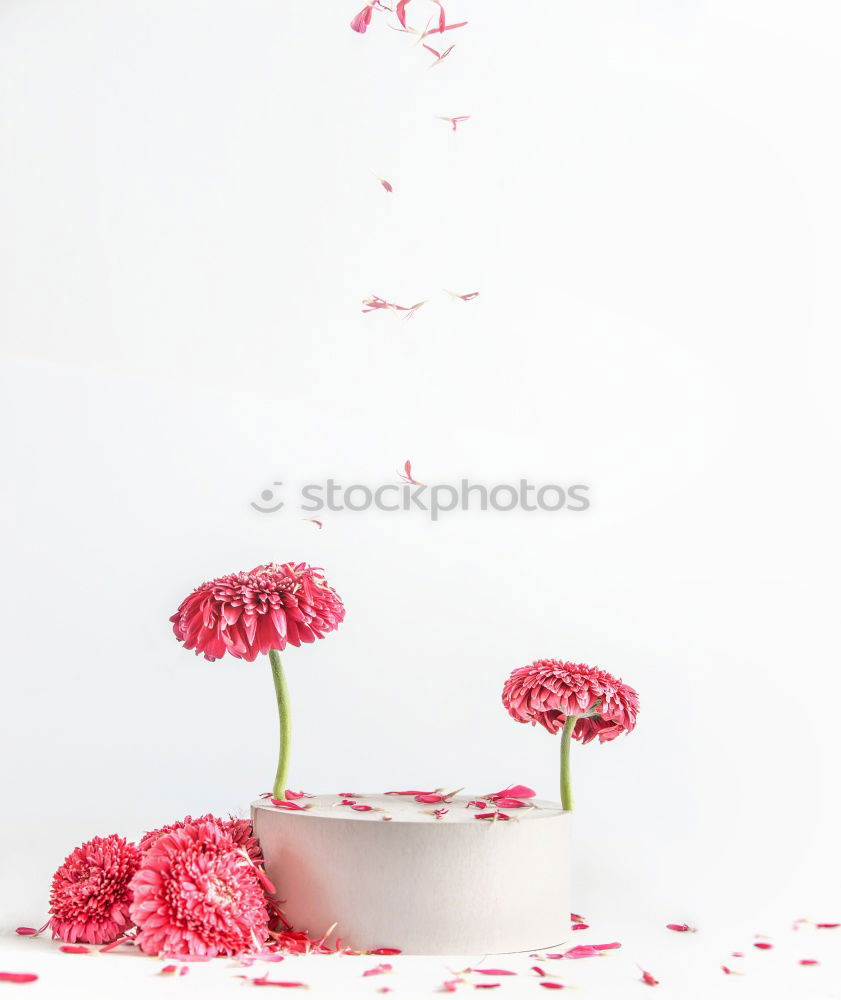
column 566, row 778
column 282, row 692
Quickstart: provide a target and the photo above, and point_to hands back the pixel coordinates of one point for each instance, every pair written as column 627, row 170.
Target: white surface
column 688, row 967
column 395, row 876
column 646, row 197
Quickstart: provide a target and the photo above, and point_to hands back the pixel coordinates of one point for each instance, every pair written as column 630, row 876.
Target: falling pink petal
column 439, row 56
column 26, row 931
column 580, row 927
column 809, row 961
column 455, row 122
column 168, row 970
column 449, row 985
column 400, row 10
column 318, row 524
column 464, row 298
column 375, row 302
column 827, row 926
column 576, row 918
column 682, row 928
column 730, row 972
column 446, row 27
column 407, row 477
column 547, row 984
column 762, row 945
column 17, row 977
column 378, row 970
column 536, row 969
column 648, row 979
column 610, row 946
column 494, row 972
column 486, row 986
column 386, row 184
column 183, row 970
column 74, row 949
column 363, row 19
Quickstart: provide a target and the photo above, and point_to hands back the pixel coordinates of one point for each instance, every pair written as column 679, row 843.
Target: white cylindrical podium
column 396, row 876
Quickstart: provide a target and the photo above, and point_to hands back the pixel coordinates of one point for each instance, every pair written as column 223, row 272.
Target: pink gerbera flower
column 249, row 613
column 240, row 831
column 90, row 895
column 548, row 691
column 197, row 893
column 260, row 612
column 585, row 701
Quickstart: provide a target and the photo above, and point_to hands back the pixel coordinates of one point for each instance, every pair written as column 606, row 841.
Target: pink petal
column 74, row 949
column 579, row 951
column 26, row 931
column 494, row 972
column 547, row 984
column 809, row 961
column 385, row 951
column 360, row 24
column 378, row 970
column 514, row 792
column 648, row 979
column 679, row 927
column 580, row 927
column 17, row 977
column 762, row 945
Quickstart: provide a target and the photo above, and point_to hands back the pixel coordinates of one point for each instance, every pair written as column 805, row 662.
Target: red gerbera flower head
column 239, row 830
column 548, row 691
column 197, row 893
column 245, row 614
column 90, row 895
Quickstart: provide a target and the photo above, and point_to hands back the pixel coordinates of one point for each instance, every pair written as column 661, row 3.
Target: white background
column 646, row 197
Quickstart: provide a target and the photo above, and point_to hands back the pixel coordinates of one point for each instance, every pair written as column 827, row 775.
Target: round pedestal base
column 396, row 876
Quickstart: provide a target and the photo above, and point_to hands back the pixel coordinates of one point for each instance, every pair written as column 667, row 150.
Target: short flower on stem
column 583, row 702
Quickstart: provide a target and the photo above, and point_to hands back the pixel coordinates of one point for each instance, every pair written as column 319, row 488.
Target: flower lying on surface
column 198, row 894
column 239, row 830
column 90, row 895
column 583, row 701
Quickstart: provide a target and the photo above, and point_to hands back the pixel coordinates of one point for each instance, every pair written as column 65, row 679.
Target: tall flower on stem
column 584, row 702
column 259, row 612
